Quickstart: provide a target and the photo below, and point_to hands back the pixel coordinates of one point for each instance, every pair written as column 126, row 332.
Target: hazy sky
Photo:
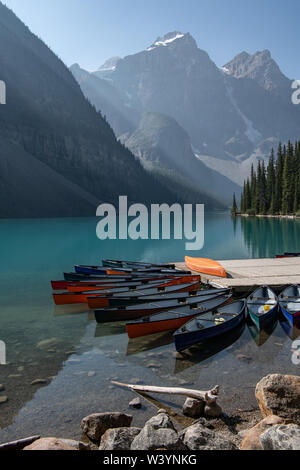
column 90, row 31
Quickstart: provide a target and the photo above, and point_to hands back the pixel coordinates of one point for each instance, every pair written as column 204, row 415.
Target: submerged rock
column 48, row 343
column 282, row 438
column 279, row 395
column 119, row 438
column 135, row 403
column 39, row 382
column 95, row 425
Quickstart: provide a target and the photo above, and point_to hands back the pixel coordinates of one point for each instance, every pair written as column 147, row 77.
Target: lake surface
column 78, row 359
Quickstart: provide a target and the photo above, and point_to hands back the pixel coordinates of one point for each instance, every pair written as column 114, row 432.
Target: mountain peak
column 171, row 38
column 260, row 67
column 109, row 64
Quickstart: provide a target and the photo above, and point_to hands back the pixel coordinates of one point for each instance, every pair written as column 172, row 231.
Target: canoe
column 92, row 277
column 134, row 312
column 289, row 301
column 205, row 266
column 262, row 306
column 205, row 350
column 171, row 293
column 142, row 282
column 69, row 298
column 149, row 295
column 81, row 277
column 126, row 271
column 210, row 325
column 63, row 285
column 124, row 264
column 90, row 281
column 173, row 319
column 288, row 255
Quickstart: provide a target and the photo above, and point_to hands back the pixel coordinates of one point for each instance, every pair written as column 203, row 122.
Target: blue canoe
column 289, row 301
column 262, row 306
column 210, row 325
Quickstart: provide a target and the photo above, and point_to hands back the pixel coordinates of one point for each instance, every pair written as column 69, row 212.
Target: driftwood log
column 209, row 396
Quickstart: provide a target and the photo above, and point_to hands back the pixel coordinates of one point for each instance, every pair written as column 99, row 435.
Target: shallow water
column 82, row 358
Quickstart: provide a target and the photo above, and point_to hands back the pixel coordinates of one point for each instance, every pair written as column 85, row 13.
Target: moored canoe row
column 155, row 298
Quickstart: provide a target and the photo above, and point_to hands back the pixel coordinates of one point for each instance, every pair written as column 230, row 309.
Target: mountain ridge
column 48, row 123
column 233, row 114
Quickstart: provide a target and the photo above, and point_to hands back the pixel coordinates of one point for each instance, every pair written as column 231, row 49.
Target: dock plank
column 249, row 273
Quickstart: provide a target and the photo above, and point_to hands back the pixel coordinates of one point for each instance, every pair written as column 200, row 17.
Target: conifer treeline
column 275, row 189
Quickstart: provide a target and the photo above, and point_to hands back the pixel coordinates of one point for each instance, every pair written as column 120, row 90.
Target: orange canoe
column 205, row 266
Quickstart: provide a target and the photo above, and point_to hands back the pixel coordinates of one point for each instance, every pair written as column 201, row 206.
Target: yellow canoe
column 205, row 266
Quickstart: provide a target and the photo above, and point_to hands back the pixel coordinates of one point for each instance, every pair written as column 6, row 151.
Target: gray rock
column 282, row 438
column 197, row 437
column 48, row 343
column 77, row 445
column 135, row 403
column 205, row 423
column 158, row 433
column 3, row 399
column 213, row 410
column 118, row 439
column 279, row 395
column 95, row 425
column 193, row 408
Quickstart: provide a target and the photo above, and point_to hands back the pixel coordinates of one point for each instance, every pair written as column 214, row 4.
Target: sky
column 90, row 31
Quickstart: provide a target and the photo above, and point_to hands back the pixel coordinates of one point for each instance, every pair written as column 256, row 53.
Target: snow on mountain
column 166, row 40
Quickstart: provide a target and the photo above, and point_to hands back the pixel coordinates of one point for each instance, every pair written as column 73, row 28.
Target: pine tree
column 253, row 192
column 271, row 184
column 276, row 189
column 234, row 210
column 287, row 183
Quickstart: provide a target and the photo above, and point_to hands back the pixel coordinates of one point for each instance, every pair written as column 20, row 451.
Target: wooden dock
column 247, row 274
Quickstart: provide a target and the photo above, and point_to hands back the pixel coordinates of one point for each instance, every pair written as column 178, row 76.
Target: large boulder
column 158, row 433
column 198, row 437
column 49, row 443
column 95, row 425
column 282, row 438
column 252, row 438
column 118, row 439
column 279, row 395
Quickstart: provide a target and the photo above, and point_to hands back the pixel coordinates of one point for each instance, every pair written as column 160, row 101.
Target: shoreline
column 270, row 216
column 202, row 423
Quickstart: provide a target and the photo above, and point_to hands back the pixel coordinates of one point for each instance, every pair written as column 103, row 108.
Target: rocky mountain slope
column 233, row 114
column 58, row 155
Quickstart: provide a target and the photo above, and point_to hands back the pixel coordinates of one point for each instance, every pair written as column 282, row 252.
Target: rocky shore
column 275, row 425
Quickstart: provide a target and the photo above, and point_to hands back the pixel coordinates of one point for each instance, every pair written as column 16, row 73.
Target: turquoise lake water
column 78, row 359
